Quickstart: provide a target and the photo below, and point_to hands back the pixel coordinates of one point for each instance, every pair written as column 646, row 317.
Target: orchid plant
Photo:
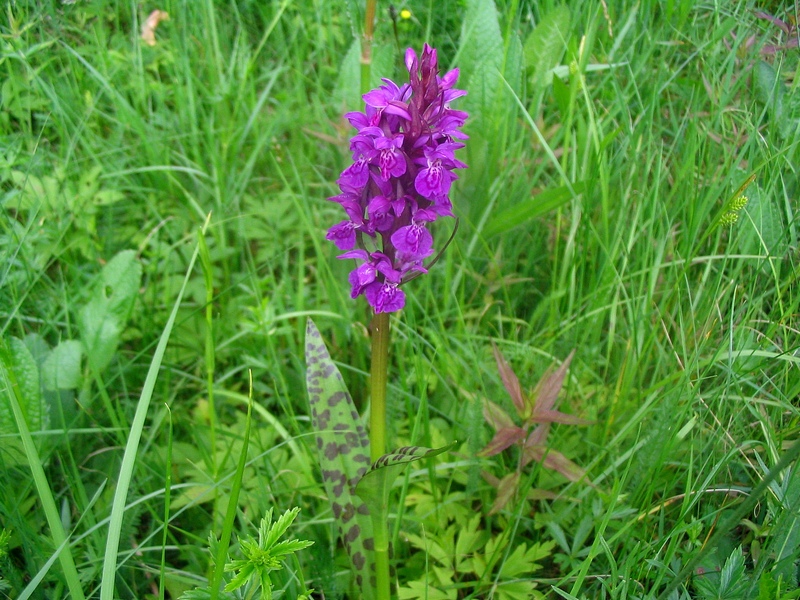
column 400, row 179
column 398, row 184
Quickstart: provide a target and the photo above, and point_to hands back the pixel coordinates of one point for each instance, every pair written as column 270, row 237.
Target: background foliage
column 607, row 144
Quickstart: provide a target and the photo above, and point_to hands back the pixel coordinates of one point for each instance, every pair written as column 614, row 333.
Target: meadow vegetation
column 628, row 235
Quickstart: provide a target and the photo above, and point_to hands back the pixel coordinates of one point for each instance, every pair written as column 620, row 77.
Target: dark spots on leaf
column 327, row 369
column 337, row 397
column 359, row 560
column 369, row 544
column 354, row 415
column 361, row 458
column 349, row 512
column 337, row 509
column 339, row 487
column 362, row 509
column 364, row 442
column 359, row 581
column 352, row 534
column 331, row 450
column 324, row 418
column 335, row 476
column 341, row 427
column 351, row 438
column 373, row 581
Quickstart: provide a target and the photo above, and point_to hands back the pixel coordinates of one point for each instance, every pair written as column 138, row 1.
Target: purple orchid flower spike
column 400, row 179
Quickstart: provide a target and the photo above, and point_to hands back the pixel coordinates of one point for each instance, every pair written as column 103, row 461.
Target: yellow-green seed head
column 738, row 203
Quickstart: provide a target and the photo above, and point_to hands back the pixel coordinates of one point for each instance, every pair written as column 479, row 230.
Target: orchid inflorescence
column 399, row 182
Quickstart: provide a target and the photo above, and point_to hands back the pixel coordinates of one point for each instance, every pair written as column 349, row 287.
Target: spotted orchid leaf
column 343, row 447
column 374, row 486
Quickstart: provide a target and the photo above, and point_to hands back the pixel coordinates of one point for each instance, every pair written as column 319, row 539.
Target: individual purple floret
column 400, row 179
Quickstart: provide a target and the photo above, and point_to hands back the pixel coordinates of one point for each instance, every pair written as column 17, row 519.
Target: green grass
column 591, row 218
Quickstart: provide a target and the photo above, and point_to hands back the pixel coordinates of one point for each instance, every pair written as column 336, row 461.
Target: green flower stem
column 366, row 44
column 379, row 373
column 381, row 533
column 380, row 361
column 377, row 442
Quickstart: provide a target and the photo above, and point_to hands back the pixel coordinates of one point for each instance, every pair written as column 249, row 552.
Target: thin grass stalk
column 233, row 503
column 167, row 498
column 210, row 355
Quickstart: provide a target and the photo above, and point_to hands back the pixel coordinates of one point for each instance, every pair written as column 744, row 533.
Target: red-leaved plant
column 537, row 412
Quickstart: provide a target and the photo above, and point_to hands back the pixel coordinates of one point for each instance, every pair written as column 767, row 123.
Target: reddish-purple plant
column 399, row 182
column 537, row 412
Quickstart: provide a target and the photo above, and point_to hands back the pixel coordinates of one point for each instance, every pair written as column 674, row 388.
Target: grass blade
column 132, row 446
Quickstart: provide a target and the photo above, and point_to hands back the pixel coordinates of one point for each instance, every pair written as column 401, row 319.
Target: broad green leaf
column 101, row 321
column 522, row 212
column 100, row 332
column 35, row 192
column 762, row 227
column 106, row 197
column 346, row 93
column 732, row 579
column 729, row 583
column 343, row 448
column 120, row 279
column 481, row 60
column 771, row 91
column 373, row 488
column 22, row 366
column 546, row 45
column 62, row 367
column 514, row 71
